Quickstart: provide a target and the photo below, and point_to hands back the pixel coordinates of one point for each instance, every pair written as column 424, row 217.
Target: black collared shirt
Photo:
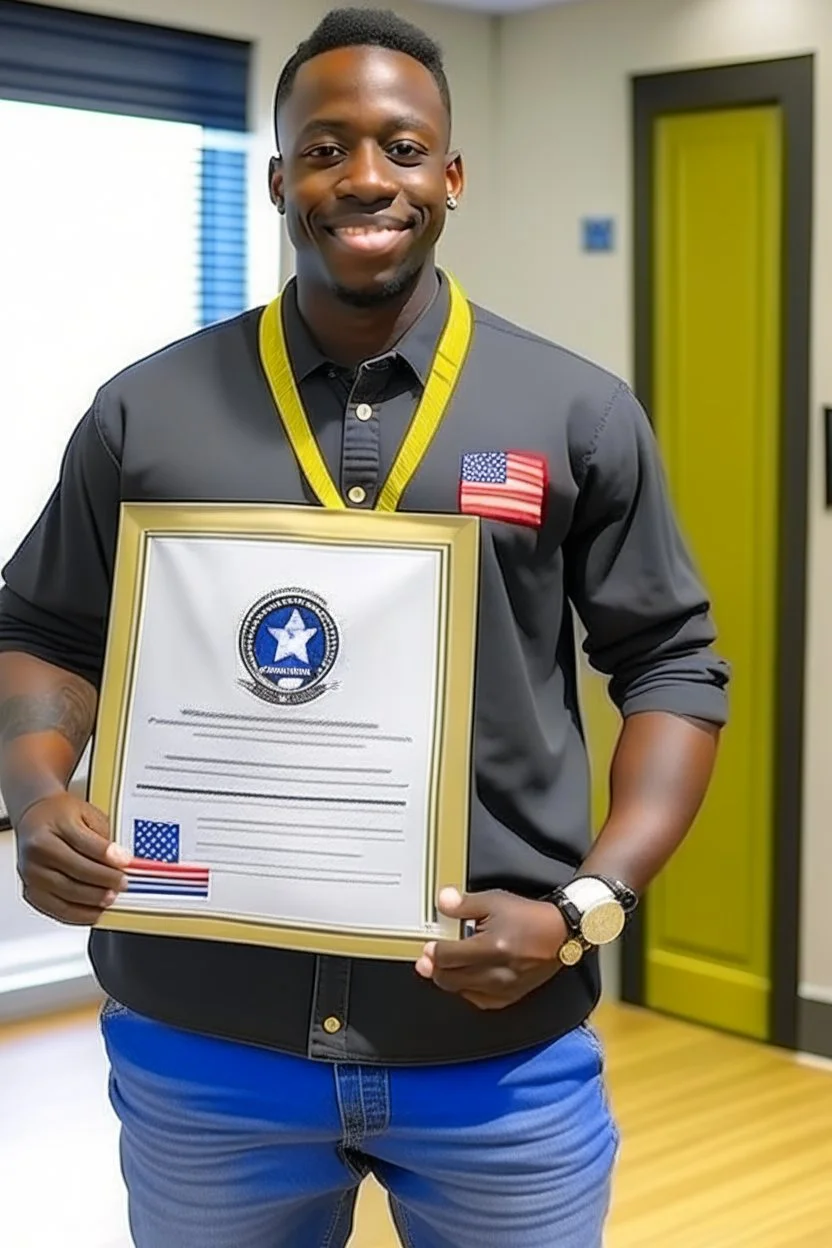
column 196, row 422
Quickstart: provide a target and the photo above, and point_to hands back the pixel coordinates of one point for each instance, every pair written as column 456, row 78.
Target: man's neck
column 348, row 334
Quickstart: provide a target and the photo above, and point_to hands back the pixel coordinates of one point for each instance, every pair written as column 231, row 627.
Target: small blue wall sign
column 598, row 234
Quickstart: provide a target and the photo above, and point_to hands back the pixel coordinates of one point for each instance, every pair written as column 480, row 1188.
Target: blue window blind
column 223, row 234
column 81, row 60
column 108, row 65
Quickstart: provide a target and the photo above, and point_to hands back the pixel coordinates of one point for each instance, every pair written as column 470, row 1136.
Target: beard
column 372, row 297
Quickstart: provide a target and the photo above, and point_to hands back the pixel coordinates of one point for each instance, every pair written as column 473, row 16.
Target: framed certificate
column 285, row 723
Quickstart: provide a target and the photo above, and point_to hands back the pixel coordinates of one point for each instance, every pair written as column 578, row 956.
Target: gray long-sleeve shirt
column 196, row 422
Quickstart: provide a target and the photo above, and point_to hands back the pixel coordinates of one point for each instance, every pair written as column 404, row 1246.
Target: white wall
column 564, row 153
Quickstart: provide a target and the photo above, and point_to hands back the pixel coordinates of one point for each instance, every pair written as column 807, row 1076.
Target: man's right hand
column 69, row 867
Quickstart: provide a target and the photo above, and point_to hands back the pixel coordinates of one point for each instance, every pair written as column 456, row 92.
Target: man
column 257, row 1087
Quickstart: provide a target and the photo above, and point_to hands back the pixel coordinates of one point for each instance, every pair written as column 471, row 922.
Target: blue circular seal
column 288, row 644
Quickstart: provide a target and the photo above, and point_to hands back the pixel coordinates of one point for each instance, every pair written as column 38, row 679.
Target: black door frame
column 788, row 82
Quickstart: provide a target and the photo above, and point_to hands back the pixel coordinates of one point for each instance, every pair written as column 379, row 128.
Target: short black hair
column 354, row 28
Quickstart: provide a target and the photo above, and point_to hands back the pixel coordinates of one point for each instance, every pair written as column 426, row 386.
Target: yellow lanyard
column 447, row 365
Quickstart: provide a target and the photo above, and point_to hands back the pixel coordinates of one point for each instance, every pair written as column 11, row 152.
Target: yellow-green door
column 717, row 243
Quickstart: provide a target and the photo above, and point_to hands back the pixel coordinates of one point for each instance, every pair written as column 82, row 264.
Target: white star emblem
column 293, row 639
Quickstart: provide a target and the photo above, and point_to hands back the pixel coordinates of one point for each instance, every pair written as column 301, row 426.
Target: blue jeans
column 225, row 1145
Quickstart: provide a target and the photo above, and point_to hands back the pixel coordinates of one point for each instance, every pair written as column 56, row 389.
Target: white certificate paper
column 280, row 750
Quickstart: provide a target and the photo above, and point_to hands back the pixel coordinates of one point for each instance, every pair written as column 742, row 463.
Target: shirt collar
column 416, row 348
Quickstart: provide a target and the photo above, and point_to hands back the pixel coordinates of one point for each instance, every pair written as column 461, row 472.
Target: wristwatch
column 595, row 910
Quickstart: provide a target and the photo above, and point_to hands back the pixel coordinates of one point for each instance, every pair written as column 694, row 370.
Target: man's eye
column 324, row 151
column 404, row 150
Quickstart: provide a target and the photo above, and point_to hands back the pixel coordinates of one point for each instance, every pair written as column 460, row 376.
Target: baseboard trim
column 45, row 973
column 814, row 1027
column 23, row 1004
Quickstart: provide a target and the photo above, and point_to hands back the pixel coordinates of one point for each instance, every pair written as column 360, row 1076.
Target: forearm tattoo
column 68, row 709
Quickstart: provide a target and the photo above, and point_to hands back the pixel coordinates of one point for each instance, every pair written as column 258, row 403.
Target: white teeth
column 368, row 239
column 363, row 229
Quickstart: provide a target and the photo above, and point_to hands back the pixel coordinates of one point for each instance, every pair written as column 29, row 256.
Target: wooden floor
column 726, row 1144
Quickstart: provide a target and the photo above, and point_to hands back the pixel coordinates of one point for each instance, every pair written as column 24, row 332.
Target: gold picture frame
column 457, row 539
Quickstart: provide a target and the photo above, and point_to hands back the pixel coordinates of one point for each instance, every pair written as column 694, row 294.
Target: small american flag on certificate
column 504, row 485
column 156, row 869
column 166, row 879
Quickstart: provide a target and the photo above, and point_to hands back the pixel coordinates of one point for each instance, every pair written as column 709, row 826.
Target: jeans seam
column 401, row 1221
column 326, row 1242
column 374, row 1089
column 350, row 1124
column 112, row 1009
column 357, row 1174
column 594, row 1041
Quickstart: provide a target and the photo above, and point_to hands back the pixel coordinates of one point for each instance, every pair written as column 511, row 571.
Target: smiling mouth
column 369, row 238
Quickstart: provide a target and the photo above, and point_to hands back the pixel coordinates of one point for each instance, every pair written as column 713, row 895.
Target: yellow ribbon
column 448, row 362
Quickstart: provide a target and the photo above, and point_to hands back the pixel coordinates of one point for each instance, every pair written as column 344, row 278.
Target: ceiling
column 500, row 6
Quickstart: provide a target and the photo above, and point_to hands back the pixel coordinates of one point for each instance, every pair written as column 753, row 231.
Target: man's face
column 365, row 171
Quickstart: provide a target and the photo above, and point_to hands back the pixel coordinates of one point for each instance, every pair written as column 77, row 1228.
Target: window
column 117, row 235
column 122, row 218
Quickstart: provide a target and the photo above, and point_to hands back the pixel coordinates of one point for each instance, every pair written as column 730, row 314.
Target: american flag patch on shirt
column 504, row 485
column 156, row 869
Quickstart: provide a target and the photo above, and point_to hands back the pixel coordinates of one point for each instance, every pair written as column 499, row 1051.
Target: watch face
column 603, row 922
column 571, row 953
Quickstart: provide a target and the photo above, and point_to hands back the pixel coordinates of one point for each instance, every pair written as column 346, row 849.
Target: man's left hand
column 513, row 951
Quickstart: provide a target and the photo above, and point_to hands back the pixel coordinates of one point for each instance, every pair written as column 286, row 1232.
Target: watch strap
column 570, row 912
column 574, row 899
column 584, row 890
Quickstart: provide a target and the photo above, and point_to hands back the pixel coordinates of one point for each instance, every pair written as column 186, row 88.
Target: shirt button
column 364, row 411
column 357, row 494
column 332, row 1026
